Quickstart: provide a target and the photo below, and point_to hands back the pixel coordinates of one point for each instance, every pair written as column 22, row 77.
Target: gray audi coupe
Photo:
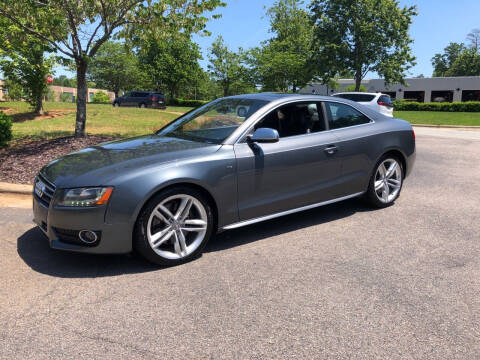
column 230, row 163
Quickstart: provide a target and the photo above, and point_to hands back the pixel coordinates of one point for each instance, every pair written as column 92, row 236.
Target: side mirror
column 264, row 135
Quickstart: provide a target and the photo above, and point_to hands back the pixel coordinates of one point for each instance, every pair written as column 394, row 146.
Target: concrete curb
column 15, row 188
column 458, row 127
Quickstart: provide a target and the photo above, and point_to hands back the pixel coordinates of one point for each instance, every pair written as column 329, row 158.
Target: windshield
column 213, row 122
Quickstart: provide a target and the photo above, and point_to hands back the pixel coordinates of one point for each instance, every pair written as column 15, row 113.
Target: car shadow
column 33, row 247
column 35, row 251
column 286, row 224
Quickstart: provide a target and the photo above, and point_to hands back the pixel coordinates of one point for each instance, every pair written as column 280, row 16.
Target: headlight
column 82, row 197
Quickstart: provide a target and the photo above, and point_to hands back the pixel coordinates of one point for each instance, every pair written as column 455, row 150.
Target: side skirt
column 288, row 212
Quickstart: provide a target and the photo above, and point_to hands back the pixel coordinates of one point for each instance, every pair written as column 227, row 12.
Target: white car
column 376, row 101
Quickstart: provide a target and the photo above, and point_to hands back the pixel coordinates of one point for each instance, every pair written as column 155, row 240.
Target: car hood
column 100, row 164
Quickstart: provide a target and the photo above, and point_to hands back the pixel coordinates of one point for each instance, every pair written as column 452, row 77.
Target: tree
column 78, row 28
column 63, row 80
column 22, row 62
column 442, row 62
column 363, row 36
column 466, row 64
column 171, row 62
column 115, row 68
column 352, row 88
column 225, row 66
column 474, row 38
column 285, row 61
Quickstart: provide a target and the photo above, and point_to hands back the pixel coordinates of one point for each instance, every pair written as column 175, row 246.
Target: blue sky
column 243, row 24
column 439, row 22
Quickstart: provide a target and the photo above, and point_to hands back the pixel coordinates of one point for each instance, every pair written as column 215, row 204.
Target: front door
column 300, row 169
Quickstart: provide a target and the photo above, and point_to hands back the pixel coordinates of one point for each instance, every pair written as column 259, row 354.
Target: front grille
column 71, row 237
column 47, row 195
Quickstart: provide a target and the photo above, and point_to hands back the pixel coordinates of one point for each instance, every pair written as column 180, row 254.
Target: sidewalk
column 464, row 133
column 14, row 195
column 15, row 188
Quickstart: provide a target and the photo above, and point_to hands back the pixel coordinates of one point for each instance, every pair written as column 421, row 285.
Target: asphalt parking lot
column 338, row 282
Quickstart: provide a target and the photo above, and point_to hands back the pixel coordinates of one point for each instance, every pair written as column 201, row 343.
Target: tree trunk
column 39, row 104
column 358, row 79
column 82, row 90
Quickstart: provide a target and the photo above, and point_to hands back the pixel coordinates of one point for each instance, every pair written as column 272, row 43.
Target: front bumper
column 114, row 238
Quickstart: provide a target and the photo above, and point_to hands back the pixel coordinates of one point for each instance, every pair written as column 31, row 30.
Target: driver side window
column 294, row 119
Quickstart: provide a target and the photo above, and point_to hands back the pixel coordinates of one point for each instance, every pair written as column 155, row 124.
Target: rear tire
column 386, row 182
column 174, row 226
column 116, row 104
column 142, row 105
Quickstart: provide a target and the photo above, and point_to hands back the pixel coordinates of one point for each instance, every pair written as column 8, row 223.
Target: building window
column 471, row 95
column 418, row 96
column 90, row 96
column 392, row 94
column 67, row 97
column 442, row 96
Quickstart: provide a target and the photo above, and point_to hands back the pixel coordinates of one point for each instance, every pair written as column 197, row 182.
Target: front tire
column 386, row 182
column 142, row 106
column 174, row 226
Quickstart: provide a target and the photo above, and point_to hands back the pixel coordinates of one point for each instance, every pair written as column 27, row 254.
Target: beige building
column 59, row 90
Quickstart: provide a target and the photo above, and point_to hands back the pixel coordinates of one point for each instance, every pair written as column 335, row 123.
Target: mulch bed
column 21, row 162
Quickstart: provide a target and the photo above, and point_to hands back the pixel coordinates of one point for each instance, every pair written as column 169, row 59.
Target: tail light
column 382, row 103
column 154, row 98
column 413, row 133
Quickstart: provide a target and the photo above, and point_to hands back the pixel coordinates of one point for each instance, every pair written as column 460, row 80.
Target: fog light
column 88, row 236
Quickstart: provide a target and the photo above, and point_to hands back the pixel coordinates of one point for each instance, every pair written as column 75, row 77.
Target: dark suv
column 141, row 99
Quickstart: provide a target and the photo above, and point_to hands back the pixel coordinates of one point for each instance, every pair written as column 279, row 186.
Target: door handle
column 331, row 149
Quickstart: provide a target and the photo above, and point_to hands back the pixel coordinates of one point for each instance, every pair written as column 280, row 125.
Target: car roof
column 147, row 92
column 272, row 96
column 358, row 93
column 280, row 98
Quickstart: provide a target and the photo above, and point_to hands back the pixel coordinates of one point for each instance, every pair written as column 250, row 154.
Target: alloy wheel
column 388, row 180
column 177, row 226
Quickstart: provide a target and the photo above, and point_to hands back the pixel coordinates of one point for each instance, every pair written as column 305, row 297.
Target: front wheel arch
column 194, row 186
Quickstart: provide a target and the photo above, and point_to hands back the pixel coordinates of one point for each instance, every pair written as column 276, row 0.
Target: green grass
column 440, row 117
column 102, row 119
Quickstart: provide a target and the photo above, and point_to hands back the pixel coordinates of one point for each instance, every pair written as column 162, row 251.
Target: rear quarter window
column 343, row 115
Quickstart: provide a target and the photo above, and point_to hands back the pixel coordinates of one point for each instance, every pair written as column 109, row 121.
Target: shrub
column 50, row 95
column 100, row 98
column 183, row 102
column 14, row 91
column 5, row 129
column 66, row 97
column 351, row 88
column 469, row 106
